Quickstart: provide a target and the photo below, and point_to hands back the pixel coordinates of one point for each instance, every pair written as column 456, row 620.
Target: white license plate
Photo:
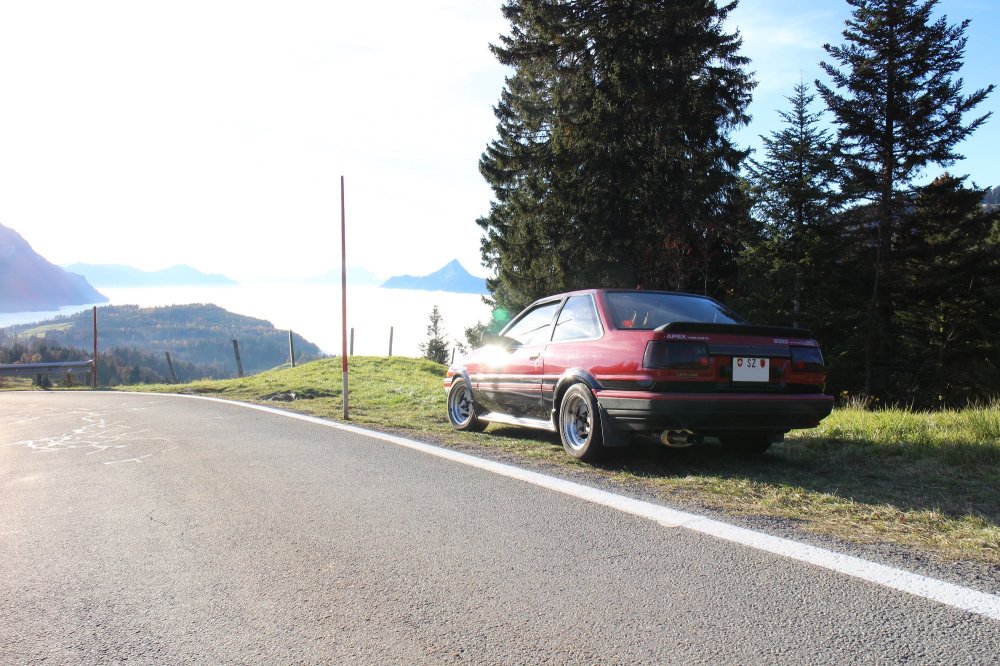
column 748, row 369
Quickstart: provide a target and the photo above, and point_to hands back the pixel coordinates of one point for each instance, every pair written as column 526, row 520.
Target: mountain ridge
column 31, row 283
column 120, row 275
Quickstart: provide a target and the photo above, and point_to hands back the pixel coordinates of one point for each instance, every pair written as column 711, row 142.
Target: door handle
column 534, row 356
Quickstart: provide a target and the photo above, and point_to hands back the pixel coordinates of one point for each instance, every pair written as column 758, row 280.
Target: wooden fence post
column 291, row 349
column 170, row 364
column 239, row 363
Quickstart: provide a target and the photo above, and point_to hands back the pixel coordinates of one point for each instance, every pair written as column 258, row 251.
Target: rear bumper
column 713, row 413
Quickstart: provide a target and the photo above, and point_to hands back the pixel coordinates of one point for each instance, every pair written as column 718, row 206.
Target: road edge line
column 933, row 589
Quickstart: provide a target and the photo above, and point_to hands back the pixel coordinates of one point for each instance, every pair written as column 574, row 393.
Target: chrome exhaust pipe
column 679, row 439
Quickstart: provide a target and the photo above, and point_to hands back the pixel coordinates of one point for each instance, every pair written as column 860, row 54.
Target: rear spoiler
column 735, row 329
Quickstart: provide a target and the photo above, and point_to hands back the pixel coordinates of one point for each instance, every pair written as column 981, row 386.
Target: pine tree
column 436, row 347
column 948, row 315
column 795, row 197
column 613, row 165
column 899, row 108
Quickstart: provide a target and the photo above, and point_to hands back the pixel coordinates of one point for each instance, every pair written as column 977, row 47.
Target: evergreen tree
column 794, row 197
column 436, row 347
column 948, row 315
column 474, row 334
column 899, row 108
column 613, row 165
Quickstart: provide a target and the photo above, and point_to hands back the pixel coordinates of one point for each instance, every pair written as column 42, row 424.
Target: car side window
column 577, row 321
column 535, row 327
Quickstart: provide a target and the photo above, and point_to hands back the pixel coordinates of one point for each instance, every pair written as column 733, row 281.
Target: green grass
column 40, row 331
column 925, row 480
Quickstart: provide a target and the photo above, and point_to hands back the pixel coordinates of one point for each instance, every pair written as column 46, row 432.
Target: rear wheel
column 747, row 444
column 580, row 424
column 462, row 409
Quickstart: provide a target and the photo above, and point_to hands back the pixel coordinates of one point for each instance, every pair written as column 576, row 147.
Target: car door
column 574, row 342
column 511, row 384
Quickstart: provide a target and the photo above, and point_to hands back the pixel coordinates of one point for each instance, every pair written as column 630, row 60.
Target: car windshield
column 649, row 310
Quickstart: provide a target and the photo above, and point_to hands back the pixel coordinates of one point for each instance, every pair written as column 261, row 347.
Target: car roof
column 607, row 290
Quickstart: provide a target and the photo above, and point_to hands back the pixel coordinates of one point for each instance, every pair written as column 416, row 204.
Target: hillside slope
column 30, row 283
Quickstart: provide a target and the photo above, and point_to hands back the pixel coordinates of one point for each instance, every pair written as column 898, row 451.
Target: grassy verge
column 928, row 481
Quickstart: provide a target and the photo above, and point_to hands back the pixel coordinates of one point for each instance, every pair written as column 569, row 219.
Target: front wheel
column 462, row 409
column 580, row 424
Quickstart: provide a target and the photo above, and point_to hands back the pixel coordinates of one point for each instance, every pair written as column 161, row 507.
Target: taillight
column 675, row 355
column 807, row 359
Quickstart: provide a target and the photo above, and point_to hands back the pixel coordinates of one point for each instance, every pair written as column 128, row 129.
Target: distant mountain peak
column 451, row 277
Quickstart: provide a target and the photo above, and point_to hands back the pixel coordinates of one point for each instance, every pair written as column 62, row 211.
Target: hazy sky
column 214, row 133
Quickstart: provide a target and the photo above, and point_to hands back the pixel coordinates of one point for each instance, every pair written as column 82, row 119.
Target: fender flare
column 613, row 437
column 463, row 374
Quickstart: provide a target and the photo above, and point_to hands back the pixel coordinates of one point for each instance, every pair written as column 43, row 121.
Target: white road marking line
column 950, row 594
column 128, row 460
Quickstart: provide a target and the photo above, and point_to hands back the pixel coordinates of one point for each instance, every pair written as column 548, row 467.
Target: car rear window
column 649, row 310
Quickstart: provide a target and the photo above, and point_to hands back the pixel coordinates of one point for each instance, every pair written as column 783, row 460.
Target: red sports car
column 602, row 364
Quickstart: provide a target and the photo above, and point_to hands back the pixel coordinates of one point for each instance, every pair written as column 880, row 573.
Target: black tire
column 462, row 408
column 748, row 444
column 580, row 424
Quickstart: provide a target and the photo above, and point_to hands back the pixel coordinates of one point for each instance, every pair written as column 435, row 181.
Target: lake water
column 313, row 311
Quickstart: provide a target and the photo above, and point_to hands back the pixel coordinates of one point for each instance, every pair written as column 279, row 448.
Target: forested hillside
column 200, row 335
column 114, row 366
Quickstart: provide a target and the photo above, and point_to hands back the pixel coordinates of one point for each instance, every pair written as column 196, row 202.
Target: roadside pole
column 343, row 289
column 95, row 348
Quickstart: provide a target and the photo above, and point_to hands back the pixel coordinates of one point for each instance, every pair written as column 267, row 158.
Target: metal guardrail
column 58, row 368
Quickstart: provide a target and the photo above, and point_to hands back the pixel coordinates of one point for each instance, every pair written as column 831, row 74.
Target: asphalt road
column 157, row 529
